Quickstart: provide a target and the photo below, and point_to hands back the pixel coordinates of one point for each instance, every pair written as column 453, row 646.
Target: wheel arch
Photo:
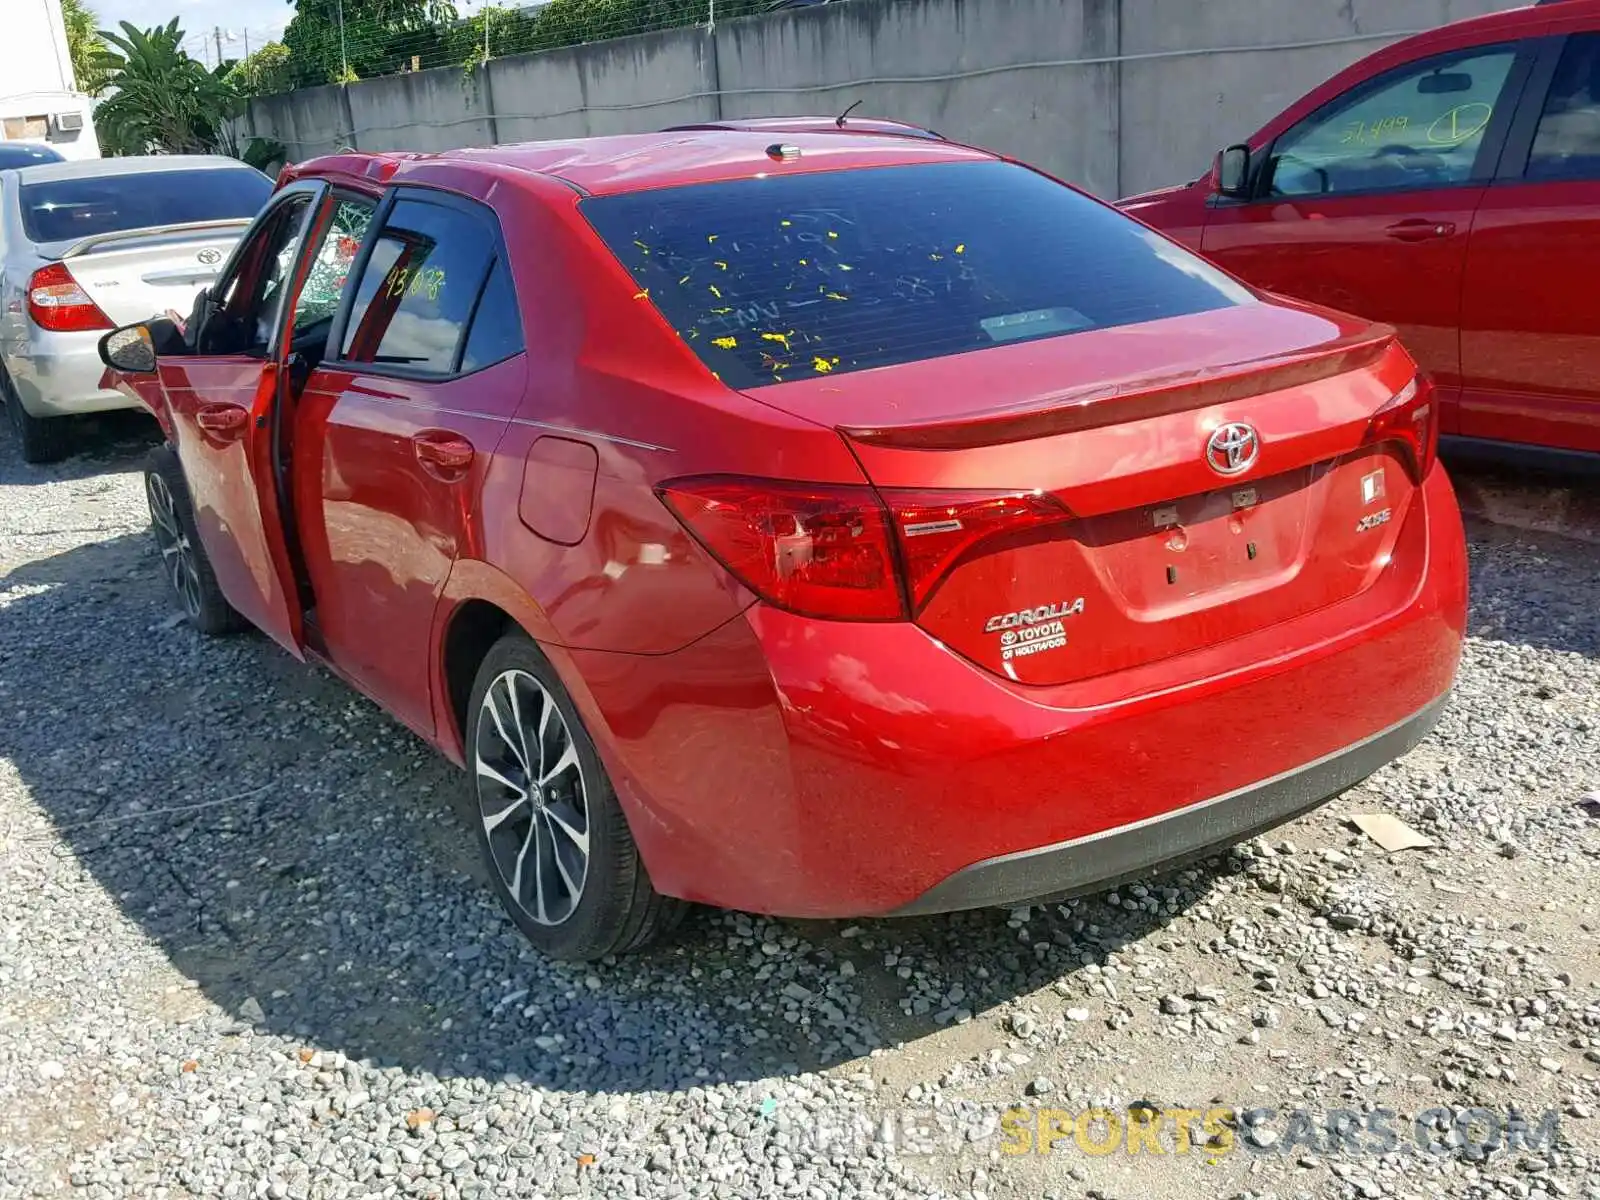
column 479, row 605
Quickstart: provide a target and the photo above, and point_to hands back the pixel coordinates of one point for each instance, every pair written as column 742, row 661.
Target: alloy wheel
column 177, row 552
column 532, row 797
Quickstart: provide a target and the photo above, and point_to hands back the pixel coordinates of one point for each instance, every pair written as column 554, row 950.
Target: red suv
column 1449, row 185
column 855, row 523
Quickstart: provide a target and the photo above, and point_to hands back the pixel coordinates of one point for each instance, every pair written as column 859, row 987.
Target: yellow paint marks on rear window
column 725, row 343
column 715, row 291
column 823, row 365
column 781, row 338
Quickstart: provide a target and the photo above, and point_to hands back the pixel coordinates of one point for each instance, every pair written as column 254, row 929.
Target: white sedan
column 87, row 246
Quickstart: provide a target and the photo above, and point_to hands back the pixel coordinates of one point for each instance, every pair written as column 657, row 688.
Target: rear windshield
column 785, row 278
column 62, row 210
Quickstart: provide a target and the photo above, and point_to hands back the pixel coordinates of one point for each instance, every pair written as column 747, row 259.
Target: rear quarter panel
column 17, row 263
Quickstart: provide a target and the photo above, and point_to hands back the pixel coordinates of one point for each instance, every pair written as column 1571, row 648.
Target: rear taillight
column 816, row 549
column 57, row 302
column 835, row 550
column 1412, row 419
column 936, row 529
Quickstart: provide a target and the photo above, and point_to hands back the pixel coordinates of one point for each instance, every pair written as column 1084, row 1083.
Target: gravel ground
column 247, row 952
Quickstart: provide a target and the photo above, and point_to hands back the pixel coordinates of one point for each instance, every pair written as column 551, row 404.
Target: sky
column 259, row 21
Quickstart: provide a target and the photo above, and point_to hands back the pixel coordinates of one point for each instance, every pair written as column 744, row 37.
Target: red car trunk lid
column 1163, row 553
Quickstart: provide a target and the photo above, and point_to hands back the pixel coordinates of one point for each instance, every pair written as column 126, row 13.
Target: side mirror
column 130, row 350
column 1230, row 176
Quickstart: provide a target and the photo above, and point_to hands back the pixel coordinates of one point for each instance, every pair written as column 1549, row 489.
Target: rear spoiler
column 101, row 240
column 1114, row 403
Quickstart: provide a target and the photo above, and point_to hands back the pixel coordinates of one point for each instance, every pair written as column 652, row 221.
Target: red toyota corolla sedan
column 852, row 524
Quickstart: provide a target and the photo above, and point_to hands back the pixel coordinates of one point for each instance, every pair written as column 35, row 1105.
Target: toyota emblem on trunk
column 209, row 256
column 1233, row 448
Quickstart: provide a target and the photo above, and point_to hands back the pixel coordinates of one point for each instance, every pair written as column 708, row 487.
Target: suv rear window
column 64, row 210
column 772, row 280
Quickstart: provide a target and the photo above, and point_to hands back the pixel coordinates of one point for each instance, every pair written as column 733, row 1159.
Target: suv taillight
column 1412, row 419
column 845, row 551
column 57, row 302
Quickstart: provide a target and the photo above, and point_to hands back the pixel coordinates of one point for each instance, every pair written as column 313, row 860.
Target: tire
column 547, row 828
column 183, row 558
column 42, row 439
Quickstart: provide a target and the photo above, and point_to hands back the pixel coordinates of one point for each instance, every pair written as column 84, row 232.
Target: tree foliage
column 378, row 37
column 493, row 32
column 572, row 22
column 263, row 72
column 381, row 37
column 84, row 45
column 162, row 100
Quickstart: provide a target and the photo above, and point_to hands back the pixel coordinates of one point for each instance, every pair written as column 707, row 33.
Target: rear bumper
column 58, row 375
column 827, row 769
column 1104, row 859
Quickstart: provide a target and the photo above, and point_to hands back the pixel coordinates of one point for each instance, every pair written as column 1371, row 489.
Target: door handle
column 1420, row 229
column 224, row 420
column 443, row 454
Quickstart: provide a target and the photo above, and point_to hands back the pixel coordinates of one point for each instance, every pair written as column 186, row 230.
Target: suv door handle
column 1420, row 229
column 443, row 454
column 224, row 420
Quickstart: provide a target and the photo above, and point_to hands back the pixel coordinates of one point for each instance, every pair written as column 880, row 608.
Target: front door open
column 221, row 400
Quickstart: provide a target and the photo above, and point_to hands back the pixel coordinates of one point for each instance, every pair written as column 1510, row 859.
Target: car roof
column 99, row 168
column 637, row 161
column 814, row 124
column 1510, row 20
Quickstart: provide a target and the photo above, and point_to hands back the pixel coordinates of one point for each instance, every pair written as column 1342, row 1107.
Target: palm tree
column 162, row 100
column 84, row 45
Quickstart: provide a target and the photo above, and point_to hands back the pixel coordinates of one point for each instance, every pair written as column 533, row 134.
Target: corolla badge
column 1233, row 448
column 1033, row 616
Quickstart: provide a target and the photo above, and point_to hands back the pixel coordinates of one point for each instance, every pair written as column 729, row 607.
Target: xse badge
column 1373, row 520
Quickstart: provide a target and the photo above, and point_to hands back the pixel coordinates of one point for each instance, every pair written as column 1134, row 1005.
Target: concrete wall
column 621, row 86
column 1117, row 95
column 1064, row 119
